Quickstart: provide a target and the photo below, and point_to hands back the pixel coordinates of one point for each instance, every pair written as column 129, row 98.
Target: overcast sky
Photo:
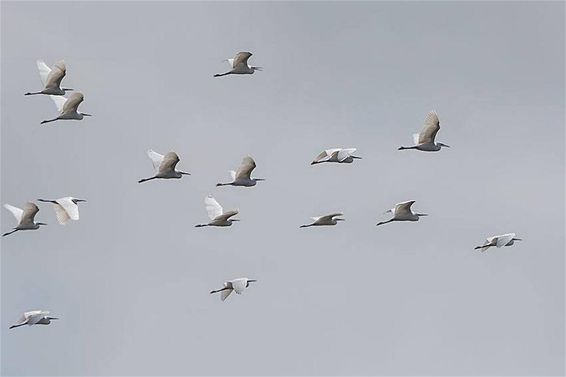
column 130, row 280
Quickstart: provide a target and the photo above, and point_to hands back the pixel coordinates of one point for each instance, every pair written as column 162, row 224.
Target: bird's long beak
column 80, row 200
column 359, row 158
column 517, row 239
column 235, row 219
column 68, row 89
column 86, row 115
column 52, row 318
column 340, row 219
column 252, row 281
column 41, row 224
column 421, row 214
column 259, row 179
column 444, row 145
column 184, row 173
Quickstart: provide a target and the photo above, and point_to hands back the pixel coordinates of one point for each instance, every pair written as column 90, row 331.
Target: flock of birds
column 67, row 208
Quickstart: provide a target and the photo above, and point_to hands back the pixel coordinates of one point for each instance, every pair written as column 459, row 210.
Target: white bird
column 242, row 177
column 68, row 107
column 424, row 141
column 236, row 285
column 216, row 214
column 164, row 166
column 403, row 212
column 25, row 217
column 65, row 208
column 34, row 317
column 340, row 155
column 51, row 78
column 498, row 241
column 240, row 65
column 324, row 220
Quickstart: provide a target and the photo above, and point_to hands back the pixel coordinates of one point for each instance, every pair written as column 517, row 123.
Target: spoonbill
column 403, row 212
column 507, row 239
column 216, row 214
column 324, row 220
column 51, row 78
column 242, row 177
column 34, row 317
column 340, row 155
column 240, row 65
column 68, row 107
column 237, row 285
column 424, row 141
column 25, row 217
column 164, row 166
column 65, row 208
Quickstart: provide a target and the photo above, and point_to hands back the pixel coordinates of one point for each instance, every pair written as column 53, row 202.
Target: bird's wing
column 416, row 138
column 315, row 218
column 241, row 58
column 44, row 71
column 323, row 156
column 17, row 212
column 22, row 320
column 239, row 285
column 430, row 128
column 225, row 216
column 72, row 103
column 59, row 102
column 329, row 217
column 504, row 239
column 404, row 207
column 69, row 206
column 245, row 169
column 30, row 209
column 56, row 75
column 169, row 162
column 36, row 316
column 345, row 153
column 156, row 159
column 231, row 62
column 62, row 215
column 224, row 294
column 213, row 208
column 233, row 174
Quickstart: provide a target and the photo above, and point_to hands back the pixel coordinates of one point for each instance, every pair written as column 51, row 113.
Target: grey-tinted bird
column 240, row 65
column 25, row 217
column 51, row 78
column 68, row 108
column 424, row 141
column 216, row 214
column 242, row 177
column 403, row 212
column 164, row 166
column 331, row 219
column 34, row 317
column 339, row 155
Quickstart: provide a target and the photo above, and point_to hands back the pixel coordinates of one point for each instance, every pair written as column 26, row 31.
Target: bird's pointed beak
column 68, row 89
column 80, row 200
column 422, row 214
column 260, row 179
column 252, row 281
column 340, row 219
column 444, row 145
column 41, row 224
column 236, row 220
column 184, row 173
column 517, row 239
column 52, row 318
column 86, row 115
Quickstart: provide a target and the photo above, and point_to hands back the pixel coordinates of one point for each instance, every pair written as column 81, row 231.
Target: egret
column 34, row 317
column 403, row 212
column 164, row 166
column 324, row 220
column 237, row 285
column 240, row 65
column 65, row 208
column 498, row 241
column 340, row 155
column 217, row 215
column 68, row 107
column 424, row 141
column 25, row 217
column 51, row 78
column 242, row 177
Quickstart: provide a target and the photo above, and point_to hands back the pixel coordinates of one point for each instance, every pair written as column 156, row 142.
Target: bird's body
column 34, row 317
column 501, row 240
column 236, row 285
column 216, row 214
column 65, row 208
column 68, row 108
column 331, row 219
column 239, row 65
column 51, row 78
column 242, row 177
column 338, row 155
column 403, row 212
column 25, row 217
column 425, row 140
column 164, row 166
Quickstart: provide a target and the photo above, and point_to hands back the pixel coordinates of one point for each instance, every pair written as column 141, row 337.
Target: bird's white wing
column 62, row 215
column 231, row 62
column 245, row 169
column 504, row 239
column 239, row 285
column 69, row 206
column 44, row 71
column 59, row 102
column 315, row 218
column 416, row 138
column 404, row 207
column 233, row 174
column 213, row 208
column 430, row 128
column 36, row 317
column 345, row 153
column 224, row 294
column 17, row 212
column 156, row 159
column 241, row 58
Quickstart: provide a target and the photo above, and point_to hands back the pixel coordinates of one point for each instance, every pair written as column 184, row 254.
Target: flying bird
column 25, row 217
column 240, row 65
column 34, row 317
column 403, row 212
column 216, row 214
column 51, row 78
column 498, row 241
column 242, row 177
column 324, row 220
column 340, row 155
column 237, row 285
column 65, row 208
column 164, row 166
column 424, row 141
column 68, row 108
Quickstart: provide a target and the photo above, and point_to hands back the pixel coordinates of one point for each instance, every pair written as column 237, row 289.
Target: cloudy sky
column 130, row 280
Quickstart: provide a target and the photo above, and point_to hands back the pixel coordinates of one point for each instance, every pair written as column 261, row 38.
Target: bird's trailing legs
column 384, row 222
column 146, row 179
column 49, row 120
column 8, row 233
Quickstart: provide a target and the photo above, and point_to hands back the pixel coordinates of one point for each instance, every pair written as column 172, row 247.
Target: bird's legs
column 219, row 290
column 222, row 74
column 8, row 233
column 146, row 179
column 384, row 222
column 403, row 148
column 18, row 325
column 49, row 120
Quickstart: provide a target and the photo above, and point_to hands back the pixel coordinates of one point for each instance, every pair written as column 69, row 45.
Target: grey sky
column 130, row 280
